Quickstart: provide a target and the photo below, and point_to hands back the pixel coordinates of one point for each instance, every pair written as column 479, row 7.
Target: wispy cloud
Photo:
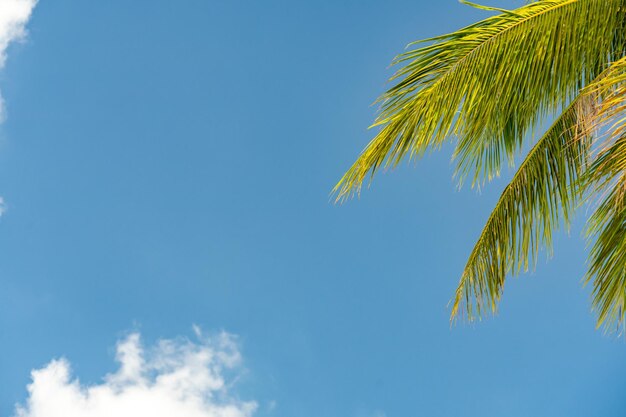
column 14, row 15
column 174, row 378
column 3, row 206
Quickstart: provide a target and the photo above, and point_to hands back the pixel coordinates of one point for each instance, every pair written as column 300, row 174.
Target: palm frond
column 546, row 189
column 540, row 196
column 489, row 84
column 607, row 267
column 606, row 179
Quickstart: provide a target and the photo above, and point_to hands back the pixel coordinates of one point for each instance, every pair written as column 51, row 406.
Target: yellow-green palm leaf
column 540, row 196
column 488, row 86
column 606, row 180
column 489, row 83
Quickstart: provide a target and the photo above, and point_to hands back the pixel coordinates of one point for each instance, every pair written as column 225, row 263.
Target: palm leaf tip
column 371, row 159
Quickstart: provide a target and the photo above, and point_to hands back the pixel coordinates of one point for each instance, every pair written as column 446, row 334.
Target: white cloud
column 174, row 378
column 14, row 14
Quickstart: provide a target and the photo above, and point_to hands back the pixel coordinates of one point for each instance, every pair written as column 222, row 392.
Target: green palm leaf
column 539, row 197
column 489, row 84
column 545, row 191
column 606, row 179
column 607, row 267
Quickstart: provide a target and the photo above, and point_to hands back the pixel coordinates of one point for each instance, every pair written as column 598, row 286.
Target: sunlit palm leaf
column 489, row 83
column 606, row 178
column 540, row 196
column 545, row 191
column 607, row 267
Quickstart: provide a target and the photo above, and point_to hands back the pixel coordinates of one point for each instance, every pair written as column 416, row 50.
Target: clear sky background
column 168, row 164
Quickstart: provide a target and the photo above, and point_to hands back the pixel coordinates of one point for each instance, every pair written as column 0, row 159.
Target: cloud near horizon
column 173, row 378
column 14, row 15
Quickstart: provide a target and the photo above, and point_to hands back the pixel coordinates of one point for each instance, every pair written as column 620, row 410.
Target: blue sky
column 168, row 164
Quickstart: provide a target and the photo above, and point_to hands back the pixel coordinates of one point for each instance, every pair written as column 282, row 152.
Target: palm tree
column 489, row 86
